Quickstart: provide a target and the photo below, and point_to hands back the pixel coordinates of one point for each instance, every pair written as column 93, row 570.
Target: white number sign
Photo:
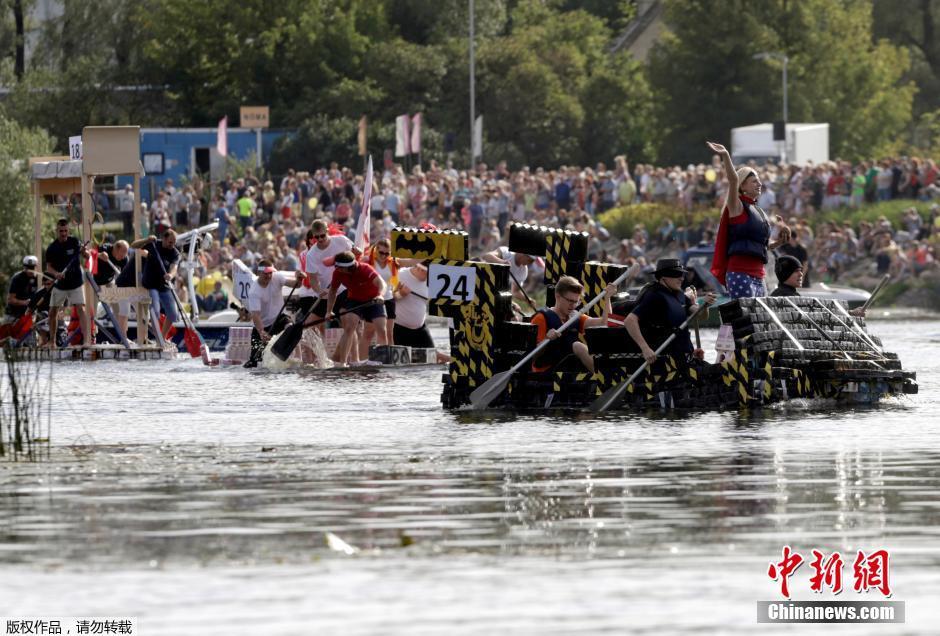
column 452, row 281
column 75, row 147
column 243, row 279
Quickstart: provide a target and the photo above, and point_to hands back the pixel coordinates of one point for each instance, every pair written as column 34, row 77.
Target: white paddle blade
column 484, row 394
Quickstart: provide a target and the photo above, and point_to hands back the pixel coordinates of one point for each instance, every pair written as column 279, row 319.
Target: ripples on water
column 207, row 514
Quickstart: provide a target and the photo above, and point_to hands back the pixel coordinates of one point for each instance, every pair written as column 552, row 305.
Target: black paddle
column 290, row 337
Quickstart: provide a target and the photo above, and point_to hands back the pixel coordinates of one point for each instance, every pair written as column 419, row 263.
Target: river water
column 199, row 501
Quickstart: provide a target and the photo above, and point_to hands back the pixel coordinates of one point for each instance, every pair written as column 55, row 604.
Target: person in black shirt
column 789, row 272
column 116, row 254
column 662, row 305
column 22, row 287
column 158, row 273
column 63, row 263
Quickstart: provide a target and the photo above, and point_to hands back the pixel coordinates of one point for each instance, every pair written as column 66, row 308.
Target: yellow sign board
column 255, row 116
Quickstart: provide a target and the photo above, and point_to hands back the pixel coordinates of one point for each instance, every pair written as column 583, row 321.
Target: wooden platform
column 94, row 352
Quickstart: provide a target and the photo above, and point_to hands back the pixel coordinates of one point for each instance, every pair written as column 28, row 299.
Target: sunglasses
column 381, row 253
column 319, row 236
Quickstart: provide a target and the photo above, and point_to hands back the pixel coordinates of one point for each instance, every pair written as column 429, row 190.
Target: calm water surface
column 198, row 500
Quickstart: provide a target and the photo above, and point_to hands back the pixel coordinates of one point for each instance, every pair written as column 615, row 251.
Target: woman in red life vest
column 743, row 238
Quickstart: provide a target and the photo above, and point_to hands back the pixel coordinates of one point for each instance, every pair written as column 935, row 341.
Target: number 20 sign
column 452, row 281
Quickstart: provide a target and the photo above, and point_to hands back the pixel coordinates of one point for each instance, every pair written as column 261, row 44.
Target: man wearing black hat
column 662, row 305
column 789, row 271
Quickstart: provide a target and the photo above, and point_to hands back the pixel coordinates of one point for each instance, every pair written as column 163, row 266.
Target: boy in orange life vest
column 567, row 298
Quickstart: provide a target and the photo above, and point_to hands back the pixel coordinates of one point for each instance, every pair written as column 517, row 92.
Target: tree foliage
column 17, row 144
column 707, row 80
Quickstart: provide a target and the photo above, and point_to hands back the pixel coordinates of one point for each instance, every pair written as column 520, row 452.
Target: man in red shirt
column 363, row 284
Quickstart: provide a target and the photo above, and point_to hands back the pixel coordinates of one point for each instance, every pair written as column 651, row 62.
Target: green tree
column 17, row 144
column 707, row 81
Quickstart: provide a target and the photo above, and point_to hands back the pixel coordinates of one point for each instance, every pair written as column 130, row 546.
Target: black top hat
column 668, row 267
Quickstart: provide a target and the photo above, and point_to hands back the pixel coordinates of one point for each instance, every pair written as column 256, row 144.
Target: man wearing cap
column 23, row 285
column 363, row 284
column 62, row 263
column 789, row 272
column 265, row 301
column 662, row 305
column 743, row 233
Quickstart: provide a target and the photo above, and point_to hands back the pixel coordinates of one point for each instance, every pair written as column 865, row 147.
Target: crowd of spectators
column 268, row 218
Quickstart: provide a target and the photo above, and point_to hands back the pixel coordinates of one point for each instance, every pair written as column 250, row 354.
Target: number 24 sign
column 452, row 281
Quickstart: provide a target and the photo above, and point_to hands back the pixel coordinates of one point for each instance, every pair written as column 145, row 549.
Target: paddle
column 614, row 394
column 822, row 331
column 195, row 345
column 290, row 337
column 519, row 287
column 876, row 291
column 483, row 395
column 107, row 310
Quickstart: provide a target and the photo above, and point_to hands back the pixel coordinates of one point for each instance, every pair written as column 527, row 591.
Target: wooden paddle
column 484, row 395
column 290, row 337
column 614, row 394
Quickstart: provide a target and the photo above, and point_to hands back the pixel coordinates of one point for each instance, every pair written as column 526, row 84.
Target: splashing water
column 310, row 352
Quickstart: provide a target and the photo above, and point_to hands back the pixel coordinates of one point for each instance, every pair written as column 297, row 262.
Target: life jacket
column 392, row 263
column 553, row 321
column 751, row 237
column 302, row 257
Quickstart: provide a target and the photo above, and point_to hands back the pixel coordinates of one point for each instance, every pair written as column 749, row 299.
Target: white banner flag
column 416, row 134
column 362, row 227
column 221, row 144
column 402, row 137
column 478, row 137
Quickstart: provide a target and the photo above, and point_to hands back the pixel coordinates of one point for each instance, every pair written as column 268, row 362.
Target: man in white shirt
column 518, row 268
column 265, row 302
column 319, row 264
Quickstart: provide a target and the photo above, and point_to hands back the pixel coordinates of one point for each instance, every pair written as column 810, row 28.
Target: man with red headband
column 364, row 300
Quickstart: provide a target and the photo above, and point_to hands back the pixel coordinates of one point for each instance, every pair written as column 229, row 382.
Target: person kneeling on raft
column 548, row 319
column 662, row 304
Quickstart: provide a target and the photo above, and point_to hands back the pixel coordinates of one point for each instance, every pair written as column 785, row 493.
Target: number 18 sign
column 452, row 281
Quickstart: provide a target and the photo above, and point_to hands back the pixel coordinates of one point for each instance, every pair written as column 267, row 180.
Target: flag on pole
column 221, row 144
column 402, row 138
column 478, row 137
column 362, row 227
column 416, row 134
column 363, row 129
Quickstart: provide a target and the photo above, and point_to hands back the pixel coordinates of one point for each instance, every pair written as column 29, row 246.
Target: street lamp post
column 473, row 95
column 785, row 60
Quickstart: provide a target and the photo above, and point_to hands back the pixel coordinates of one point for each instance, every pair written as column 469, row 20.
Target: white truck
column 805, row 143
